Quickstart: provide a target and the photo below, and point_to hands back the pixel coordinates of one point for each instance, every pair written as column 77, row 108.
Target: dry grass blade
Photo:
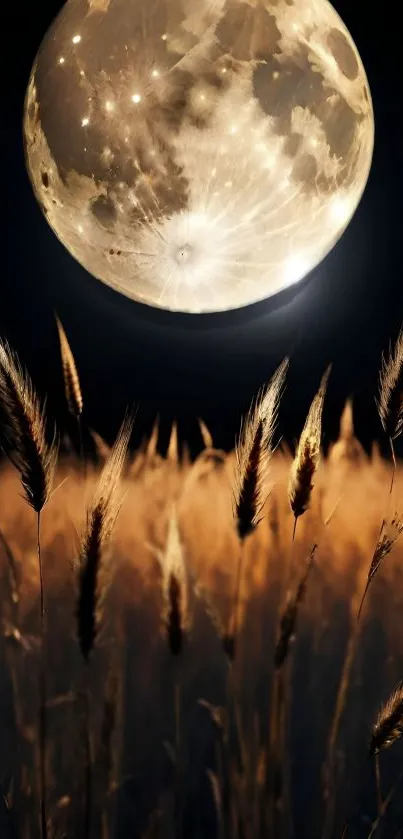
column 174, row 588
column 152, row 446
column 347, row 422
column 388, row 537
column 74, row 397
column 388, row 727
column 288, row 620
column 24, row 430
column 253, row 452
column 101, row 518
column 206, row 435
column 306, row 460
column 173, row 447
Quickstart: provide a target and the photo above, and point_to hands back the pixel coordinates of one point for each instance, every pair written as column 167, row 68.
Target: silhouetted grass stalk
column 342, row 692
column 88, row 761
column 24, row 441
column 378, row 782
column 92, row 585
column 42, row 690
column 254, row 450
column 175, row 620
column 390, row 397
column 385, row 805
column 303, row 471
column 178, row 749
column 388, row 536
column 307, row 456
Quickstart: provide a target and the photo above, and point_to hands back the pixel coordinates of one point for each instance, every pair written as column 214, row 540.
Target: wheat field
column 159, row 716
column 133, row 673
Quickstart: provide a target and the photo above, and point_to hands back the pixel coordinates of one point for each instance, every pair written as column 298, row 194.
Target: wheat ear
column 24, row 430
column 388, row 726
column 390, row 396
column 306, row 460
column 390, row 532
column 72, row 387
column 253, row 451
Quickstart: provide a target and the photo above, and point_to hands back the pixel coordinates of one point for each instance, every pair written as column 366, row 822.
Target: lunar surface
column 198, row 155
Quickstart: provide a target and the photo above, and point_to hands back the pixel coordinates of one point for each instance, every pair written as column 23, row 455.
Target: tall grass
column 25, row 442
column 168, row 750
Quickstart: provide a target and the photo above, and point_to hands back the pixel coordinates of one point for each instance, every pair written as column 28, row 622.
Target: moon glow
column 198, row 156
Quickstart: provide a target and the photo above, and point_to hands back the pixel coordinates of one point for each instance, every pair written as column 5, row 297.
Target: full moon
column 198, row 155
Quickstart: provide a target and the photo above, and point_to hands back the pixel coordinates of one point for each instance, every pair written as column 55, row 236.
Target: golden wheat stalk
column 24, row 430
column 25, row 443
column 254, row 449
column 306, row 460
column 390, row 396
column 72, row 388
column 388, row 726
column 101, row 518
column 390, row 532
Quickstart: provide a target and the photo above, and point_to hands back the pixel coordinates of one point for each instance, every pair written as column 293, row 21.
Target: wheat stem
column 178, row 749
column 42, row 691
column 378, row 782
column 335, row 725
column 88, row 756
column 234, row 620
column 385, row 805
column 177, row 704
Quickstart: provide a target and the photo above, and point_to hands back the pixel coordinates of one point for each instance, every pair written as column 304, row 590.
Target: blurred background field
column 327, row 778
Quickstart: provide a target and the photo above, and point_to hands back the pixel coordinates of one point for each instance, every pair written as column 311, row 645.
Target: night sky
column 181, row 366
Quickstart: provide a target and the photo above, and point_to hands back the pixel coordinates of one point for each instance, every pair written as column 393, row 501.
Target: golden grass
column 352, row 493
column 72, row 387
column 252, row 713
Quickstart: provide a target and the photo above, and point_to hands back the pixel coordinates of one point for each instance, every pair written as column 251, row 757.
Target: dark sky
column 209, row 366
